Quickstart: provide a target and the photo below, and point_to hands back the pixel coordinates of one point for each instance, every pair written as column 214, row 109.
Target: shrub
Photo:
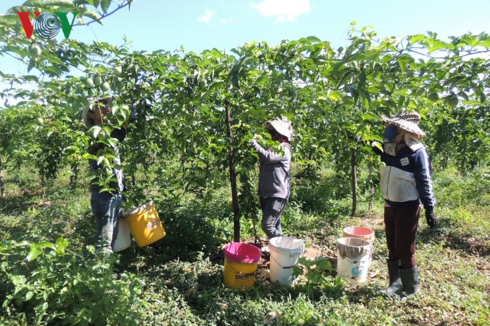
column 56, row 286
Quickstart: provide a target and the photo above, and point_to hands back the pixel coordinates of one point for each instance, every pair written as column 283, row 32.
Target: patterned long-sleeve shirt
column 119, row 185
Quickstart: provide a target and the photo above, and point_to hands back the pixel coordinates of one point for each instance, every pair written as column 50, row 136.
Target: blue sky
column 224, row 24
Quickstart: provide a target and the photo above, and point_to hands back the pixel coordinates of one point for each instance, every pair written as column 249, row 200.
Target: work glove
column 431, row 217
column 376, row 147
column 257, row 138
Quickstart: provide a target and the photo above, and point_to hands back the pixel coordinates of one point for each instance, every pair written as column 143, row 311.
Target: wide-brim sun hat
column 408, row 121
column 86, row 119
column 282, row 126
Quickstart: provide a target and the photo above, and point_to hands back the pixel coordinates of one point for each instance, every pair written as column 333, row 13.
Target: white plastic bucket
column 285, row 252
column 354, row 258
column 123, row 240
column 361, row 233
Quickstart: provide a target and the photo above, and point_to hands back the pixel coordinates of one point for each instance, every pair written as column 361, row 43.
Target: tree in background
column 202, row 109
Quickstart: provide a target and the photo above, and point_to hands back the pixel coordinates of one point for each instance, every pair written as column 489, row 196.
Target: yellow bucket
column 240, row 265
column 144, row 224
column 239, row 276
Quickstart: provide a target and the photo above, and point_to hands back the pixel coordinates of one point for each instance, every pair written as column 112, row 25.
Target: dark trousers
column 272, row 209
column 106, row 208
column 401, row 228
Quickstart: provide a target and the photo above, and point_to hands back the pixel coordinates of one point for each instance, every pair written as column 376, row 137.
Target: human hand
column 257, row 137
column 431, row 218
column 377, row 147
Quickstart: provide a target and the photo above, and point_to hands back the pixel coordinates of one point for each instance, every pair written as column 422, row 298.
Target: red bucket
column 359, row 232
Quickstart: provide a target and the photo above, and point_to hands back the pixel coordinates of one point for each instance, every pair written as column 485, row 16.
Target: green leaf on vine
column 34, row 253
column 104, row 5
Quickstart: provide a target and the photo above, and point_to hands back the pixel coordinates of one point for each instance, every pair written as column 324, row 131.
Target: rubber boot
column 395, row 281
column 410, row 280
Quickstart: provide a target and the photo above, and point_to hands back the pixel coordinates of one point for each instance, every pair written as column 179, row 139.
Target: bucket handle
column 302, row 252
column 303, row 248
column 292, row 239
column 283, row 267
column 365, row 222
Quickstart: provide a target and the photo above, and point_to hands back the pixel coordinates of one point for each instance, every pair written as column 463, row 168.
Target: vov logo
column 47, row 25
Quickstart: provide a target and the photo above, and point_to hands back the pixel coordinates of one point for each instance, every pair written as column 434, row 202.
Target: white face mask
column 390, row 147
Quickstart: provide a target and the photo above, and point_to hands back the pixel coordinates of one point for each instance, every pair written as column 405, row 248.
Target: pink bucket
column 240, row 252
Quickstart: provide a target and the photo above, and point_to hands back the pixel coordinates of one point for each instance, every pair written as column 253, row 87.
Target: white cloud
column 207, row 16
column 284, row 10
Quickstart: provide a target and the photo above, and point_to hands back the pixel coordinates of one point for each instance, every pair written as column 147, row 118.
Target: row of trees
column 202, row 109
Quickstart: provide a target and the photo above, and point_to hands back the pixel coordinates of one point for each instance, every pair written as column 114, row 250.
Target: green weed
column 178, row 280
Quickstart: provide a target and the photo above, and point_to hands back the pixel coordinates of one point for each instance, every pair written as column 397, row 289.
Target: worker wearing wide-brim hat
column 274, row 178
column 407, row 186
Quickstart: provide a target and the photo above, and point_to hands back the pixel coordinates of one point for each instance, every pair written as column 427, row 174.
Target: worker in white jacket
column 407, row 187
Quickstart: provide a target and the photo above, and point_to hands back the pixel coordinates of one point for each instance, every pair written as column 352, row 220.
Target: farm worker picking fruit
column 274, row 179
column 406, row 184
column 106, row 205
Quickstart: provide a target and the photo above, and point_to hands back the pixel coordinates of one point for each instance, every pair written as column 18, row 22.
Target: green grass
column 178, row 280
